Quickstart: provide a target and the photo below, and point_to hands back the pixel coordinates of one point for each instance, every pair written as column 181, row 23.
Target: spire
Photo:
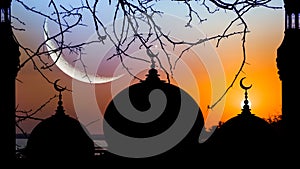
column 246, row 108
column 60, row 109
column 152, row 56
column 152, row 75
column 8, row 44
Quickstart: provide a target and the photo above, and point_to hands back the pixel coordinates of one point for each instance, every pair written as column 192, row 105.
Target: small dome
column 245, row 129
column 244, row 137
column 139, row 102
column 59, row 137
column 244, row 132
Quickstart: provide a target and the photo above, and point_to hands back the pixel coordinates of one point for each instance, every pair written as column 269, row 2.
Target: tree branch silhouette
column 134, row 15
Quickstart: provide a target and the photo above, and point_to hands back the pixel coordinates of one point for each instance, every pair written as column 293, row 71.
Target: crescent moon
column 243, row 86
column 69, row 69
column 58, row 88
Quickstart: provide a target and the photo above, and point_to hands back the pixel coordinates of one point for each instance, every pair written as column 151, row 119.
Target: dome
column 59, row 137
column 245, row 132
column 244, row 138
column 139, row 117
column 245, row 129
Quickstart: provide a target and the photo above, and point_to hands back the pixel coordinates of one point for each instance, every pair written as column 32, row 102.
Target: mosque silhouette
column 59, row 137
column 180, row 107
column 66, row 138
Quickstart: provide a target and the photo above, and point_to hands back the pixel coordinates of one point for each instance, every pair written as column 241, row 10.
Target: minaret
column 9, row 51
column 288, row 64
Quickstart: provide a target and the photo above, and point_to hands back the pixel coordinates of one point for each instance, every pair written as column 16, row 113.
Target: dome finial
column 152, row 76
column 246, row 109
column 60, row 109
column 152, row 56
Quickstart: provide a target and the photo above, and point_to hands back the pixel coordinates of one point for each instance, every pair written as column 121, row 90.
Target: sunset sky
column 205, row 72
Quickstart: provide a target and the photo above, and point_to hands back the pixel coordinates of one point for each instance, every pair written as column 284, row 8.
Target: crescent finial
column 57, row 87
column 243, row 86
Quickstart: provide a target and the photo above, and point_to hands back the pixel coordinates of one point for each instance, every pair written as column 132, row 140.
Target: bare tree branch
column 136, row 15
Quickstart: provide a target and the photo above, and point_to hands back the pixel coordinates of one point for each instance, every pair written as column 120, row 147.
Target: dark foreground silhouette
column 59, row 138
column 180, row 117
column 62, row 138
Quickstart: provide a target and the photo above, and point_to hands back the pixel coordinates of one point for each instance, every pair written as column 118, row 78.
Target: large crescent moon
column 243, row 86
column 70, row 70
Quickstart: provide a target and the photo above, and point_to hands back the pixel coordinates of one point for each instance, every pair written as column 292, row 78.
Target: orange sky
column 266, row 28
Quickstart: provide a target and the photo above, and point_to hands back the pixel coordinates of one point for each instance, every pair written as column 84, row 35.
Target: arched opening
column 298, row 26
column 293, row 18
column 4, row 15
column 287, row 20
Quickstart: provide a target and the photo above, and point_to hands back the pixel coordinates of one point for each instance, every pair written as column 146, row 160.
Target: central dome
column 150, row 108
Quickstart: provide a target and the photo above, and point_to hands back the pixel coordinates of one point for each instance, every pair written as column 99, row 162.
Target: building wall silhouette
column 288, row 68
column 9, row 52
